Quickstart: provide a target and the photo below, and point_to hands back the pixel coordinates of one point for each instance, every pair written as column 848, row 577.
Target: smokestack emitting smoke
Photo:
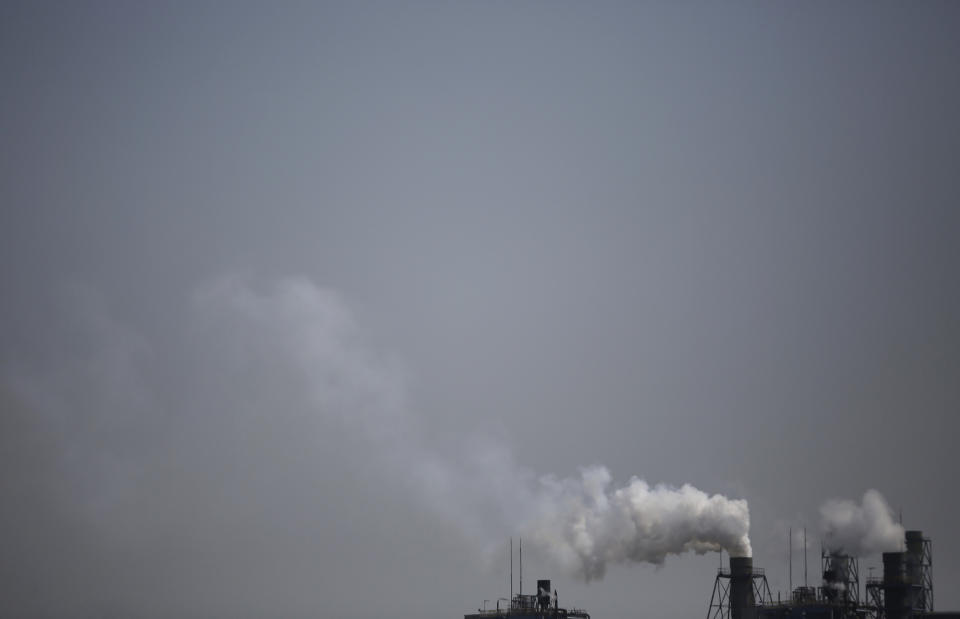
column 863, row 529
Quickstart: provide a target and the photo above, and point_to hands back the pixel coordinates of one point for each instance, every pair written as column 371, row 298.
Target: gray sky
column 290, row 293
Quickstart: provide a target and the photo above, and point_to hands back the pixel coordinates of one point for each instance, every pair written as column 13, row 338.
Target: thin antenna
column 805, row 557
column 511, row 571
column 521, row 567
column 903, row 542
column 790, row 554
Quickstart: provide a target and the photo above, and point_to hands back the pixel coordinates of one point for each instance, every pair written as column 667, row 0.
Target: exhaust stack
column 897, row 600
column 742, row 601
column 740, row 592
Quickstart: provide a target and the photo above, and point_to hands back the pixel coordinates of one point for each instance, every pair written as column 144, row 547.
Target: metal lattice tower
column 924, row 600
column 720, row 598
column 841, row 577
column 875, row 601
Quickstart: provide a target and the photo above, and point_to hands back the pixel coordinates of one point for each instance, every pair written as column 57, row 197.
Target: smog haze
column 307, row 309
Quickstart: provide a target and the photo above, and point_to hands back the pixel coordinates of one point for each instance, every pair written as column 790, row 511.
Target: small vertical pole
column 521, row 567
column 790, row 554
column 804, row 557
column 511, row 571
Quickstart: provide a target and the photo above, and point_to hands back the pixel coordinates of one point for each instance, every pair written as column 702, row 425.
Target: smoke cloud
column 582, row 523
column 211, row 446
column 863, row 529
column 585, row 525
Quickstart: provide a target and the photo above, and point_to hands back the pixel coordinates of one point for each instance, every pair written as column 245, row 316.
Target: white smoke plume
column 255, row 380
column 581, row 523
column 585, row 525
column 863, row 529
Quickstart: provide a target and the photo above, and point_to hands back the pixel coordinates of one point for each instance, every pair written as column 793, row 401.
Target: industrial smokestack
column 914, row 557
column 742, row 601
column 896, row 589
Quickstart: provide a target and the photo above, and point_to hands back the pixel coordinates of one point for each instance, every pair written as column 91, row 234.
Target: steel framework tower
column 722, row 602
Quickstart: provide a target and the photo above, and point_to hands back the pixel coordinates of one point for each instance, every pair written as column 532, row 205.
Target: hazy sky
column 292, row 295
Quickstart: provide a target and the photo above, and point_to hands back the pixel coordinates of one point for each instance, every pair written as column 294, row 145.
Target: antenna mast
column 521, row 566
column 511, row 571
column 790, row 554
column 804, row 556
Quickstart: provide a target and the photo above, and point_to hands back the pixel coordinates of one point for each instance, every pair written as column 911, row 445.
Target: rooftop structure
column 541, row 605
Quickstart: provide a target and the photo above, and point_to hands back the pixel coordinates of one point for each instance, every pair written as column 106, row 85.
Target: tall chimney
column 914, row 556
column 896, row 589
column 742, row 602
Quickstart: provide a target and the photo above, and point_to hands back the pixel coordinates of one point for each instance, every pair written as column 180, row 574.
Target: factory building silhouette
column 905, row 591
